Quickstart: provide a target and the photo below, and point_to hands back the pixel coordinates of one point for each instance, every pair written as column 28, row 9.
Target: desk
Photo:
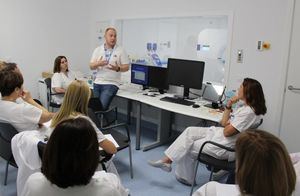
column 134, row 94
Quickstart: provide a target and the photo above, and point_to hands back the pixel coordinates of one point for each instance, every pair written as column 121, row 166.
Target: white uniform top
column 22, row 115
column 118, row 56
column 61, row 80
column 102, row 183
column 216, row 189
column 241, row 119
column 100, row 135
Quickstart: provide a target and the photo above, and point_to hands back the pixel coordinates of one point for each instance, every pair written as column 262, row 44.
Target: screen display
column 185, row 73
column 213, row 92
column 139, row 74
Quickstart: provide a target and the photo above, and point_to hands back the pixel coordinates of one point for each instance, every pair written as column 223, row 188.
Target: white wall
column 252, row 21
column 34, row 32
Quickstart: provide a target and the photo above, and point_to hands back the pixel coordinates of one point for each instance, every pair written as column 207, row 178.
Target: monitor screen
column 139, row 74
column 213, row 92
column 158, row 78
column 185, row 73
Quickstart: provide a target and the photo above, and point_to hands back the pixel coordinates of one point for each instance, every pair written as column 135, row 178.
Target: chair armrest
column 106, row 111
column 57, row 93
column 215, row 144
column 118, row 125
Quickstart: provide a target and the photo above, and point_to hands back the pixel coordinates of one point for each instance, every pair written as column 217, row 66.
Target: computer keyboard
column 177, row 100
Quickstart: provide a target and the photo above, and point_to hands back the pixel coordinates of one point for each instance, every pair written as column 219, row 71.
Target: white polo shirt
column 104, row 74
column 22, row 115
column 61, row 80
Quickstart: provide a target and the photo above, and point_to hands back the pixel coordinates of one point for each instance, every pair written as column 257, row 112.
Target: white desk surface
column 133, row 92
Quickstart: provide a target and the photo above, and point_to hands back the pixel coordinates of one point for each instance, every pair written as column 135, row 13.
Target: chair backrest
column 93, row 117
column 255, row 126
column 7, row 132
column 49, row 90
column 95, row 104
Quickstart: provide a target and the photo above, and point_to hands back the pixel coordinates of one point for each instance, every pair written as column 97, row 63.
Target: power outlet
column 240, row 56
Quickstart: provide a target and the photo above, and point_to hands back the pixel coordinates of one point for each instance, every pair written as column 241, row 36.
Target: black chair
column 213, row 164
column 122, row 140
column 7, row 131
column 104, row 157
column 50, row 94
column 96, row 106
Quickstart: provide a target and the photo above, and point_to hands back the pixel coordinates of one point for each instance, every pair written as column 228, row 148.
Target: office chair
column 50, row 94
column 214, row 164
column 96, row 106
column 122, row 140
column 7, row 131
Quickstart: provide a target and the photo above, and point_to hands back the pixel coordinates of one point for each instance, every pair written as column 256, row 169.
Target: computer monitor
column 213, row 92
column 185, row 73
column 139, row 74
column 157, row 78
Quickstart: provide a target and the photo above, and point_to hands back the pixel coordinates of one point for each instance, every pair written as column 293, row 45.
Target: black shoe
column 183, row 181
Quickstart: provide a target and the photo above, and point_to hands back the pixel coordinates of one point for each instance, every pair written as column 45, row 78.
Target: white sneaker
column 160, row 164
column 219, row 174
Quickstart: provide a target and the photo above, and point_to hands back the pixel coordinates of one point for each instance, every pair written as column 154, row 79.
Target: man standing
column 109, row 60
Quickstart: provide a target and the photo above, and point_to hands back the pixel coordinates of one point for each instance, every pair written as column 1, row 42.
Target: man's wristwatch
column 118, row 69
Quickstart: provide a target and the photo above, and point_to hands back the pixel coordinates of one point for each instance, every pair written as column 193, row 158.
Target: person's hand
column 232, row 101
column 26, row 96
column 115, row 67
column 102, row 62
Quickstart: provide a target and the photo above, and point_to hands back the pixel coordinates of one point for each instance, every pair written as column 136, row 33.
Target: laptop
column 213, row 93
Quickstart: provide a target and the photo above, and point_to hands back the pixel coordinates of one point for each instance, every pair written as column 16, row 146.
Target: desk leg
column 163, row 132
column 129, row 106
column 138, row 126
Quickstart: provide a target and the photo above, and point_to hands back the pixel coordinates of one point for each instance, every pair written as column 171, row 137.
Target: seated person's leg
column 107, row 94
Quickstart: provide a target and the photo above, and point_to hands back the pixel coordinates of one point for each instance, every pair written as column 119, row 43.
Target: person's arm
column 108, row 146
column 59, row 90
column 228, row 108
column 46, row 115
column 98, row 63
column 229, row 130
column 119, row 68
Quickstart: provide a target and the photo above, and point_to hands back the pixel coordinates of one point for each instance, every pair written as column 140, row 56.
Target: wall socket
column 240, row 56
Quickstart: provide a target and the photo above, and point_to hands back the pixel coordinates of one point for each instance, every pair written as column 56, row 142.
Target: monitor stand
column 185, row 94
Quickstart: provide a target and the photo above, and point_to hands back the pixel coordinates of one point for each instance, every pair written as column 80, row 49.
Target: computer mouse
column 196, row 106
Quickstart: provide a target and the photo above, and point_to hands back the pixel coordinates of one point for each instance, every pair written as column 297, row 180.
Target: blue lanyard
column 108, row 53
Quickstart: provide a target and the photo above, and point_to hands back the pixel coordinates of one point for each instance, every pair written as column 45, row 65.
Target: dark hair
column 9, row 81
column 254, row 95
column 56, row 68
column 71, row 155
column 9, row 66
column 264, row 166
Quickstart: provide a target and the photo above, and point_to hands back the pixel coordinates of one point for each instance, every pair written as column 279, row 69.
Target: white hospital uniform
column 104, row 75
column 21, row 115
column 185, row 148
column 102, row 183
column 213, row 188
column 61, row 80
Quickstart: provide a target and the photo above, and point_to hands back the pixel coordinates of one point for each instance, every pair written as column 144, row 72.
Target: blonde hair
column 75, row 102
column 264, row 166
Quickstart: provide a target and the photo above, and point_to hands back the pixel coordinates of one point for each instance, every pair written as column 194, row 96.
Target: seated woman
column 186, row 147
column 69, row 165
column 25, row 113
column 75, row 104
column 61, row 79
column 264, row 167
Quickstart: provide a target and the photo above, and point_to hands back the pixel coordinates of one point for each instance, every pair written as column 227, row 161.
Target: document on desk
column 110, row 138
